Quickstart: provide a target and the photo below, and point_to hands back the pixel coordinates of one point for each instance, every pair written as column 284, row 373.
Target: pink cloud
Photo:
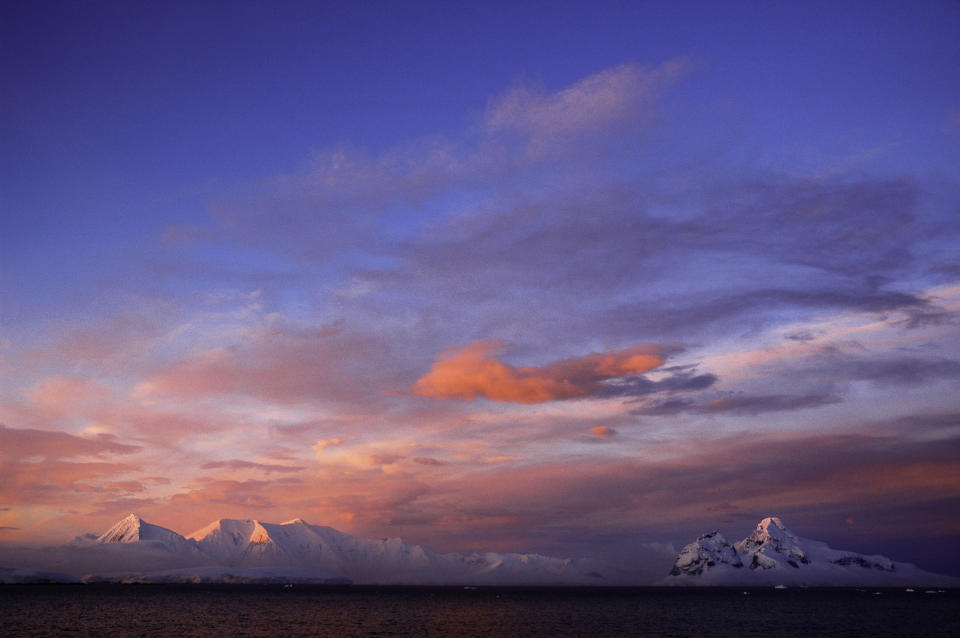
column 37, row 468
column 111, row 342
column 606, row 100
column 125, row 486
column 280, row 365
column 17, row 444
column 473, row 371
column 241, row 465
column 249, row 494
column 323, row 444
column 61, row 394
column 426, row 460
column 53, row 481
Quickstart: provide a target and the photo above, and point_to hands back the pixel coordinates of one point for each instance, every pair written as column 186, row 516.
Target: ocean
column 165, row 610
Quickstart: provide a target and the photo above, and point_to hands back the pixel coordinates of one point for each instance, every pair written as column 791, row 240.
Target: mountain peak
column 295, row 521
column 773, row 526
column 132, row 529
column 126, row 530
column 770, row 539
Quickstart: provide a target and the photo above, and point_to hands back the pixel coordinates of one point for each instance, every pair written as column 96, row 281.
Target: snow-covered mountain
column 134, row 529
column 251, row 544
column 773, row 555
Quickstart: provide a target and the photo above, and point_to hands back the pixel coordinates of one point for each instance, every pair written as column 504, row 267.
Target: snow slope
column 774, row 555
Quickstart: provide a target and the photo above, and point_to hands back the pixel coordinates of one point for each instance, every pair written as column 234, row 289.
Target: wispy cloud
column 241, row 465
column 18, row 444
column 600, row 104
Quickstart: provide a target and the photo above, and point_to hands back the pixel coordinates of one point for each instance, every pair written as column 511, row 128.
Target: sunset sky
column 584, row 278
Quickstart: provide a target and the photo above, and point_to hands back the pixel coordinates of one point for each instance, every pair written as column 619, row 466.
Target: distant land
column 251, row 551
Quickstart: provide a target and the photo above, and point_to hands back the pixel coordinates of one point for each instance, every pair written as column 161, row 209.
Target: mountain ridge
column 244, row 544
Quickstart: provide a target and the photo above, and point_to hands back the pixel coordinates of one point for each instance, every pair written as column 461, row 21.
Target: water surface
column 165, row 610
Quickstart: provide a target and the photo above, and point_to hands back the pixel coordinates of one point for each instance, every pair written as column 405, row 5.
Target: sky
column 588, row 279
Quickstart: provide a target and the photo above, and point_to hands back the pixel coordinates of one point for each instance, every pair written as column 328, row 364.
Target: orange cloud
column 602, row 431
column 473, row 371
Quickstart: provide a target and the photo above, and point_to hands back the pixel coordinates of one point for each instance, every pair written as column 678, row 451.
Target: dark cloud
column 851, row 228
column 931, row 421
column 635, row 386
column 741, row 404
column 901, row 370
column 753, row 308
column 929, row 315
column 884, row 370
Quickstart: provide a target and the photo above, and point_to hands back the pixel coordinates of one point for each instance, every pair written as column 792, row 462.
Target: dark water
column 145, row 610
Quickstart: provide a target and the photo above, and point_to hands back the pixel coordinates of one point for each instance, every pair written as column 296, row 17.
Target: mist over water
column 43, row 610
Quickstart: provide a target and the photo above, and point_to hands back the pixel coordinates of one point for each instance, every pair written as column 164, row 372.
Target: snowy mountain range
column 250, row 550
column 773, row 555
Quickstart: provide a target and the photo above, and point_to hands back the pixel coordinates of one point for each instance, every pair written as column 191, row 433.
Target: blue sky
column 404, row 255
